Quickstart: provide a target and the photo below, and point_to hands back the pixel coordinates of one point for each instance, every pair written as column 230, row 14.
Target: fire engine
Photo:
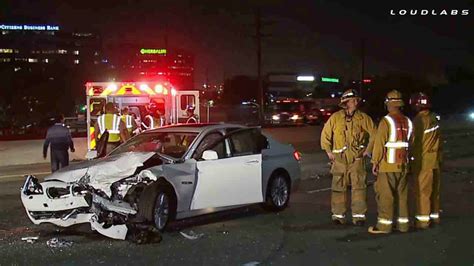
column 137, row 96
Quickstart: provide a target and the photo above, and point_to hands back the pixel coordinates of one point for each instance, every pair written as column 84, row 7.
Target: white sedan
column 169, row 173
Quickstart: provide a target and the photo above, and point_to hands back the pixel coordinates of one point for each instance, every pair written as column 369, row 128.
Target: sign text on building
column 29, row 27
column 152, row 51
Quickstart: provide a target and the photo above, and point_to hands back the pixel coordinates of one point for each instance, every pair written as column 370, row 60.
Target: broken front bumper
column 58, row 203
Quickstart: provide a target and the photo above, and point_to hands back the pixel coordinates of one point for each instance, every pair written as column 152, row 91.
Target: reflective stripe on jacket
column 127, row 119
column 111, row 122
column 400, row 128
column 348, row 138
column 391, row 143
column 426, row 150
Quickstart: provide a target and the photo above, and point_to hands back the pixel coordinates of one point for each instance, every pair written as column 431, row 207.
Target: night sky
column 305, row 35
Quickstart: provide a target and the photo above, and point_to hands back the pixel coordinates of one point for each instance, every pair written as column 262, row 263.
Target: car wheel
column 278, row 193
column 165, row 208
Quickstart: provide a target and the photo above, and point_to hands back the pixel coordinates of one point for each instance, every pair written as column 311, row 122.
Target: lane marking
column 21, row 175
column 318, row 190
column 328, row 188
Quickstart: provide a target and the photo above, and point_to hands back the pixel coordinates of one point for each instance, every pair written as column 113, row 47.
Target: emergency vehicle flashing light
column 128, row 89
column 159, row 88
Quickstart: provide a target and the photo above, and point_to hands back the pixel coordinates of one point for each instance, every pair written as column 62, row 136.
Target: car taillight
column 297, row 155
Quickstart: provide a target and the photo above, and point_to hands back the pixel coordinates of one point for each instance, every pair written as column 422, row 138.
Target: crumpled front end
column 66, row 204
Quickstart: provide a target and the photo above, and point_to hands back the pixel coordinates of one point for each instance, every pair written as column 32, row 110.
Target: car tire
column 164, row 210
column 278, row 192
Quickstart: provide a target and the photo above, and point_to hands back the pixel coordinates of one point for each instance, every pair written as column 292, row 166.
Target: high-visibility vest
column 111, row 122
column 400, row 130
column 127, row 119
column 152, row 123
column 192, row 120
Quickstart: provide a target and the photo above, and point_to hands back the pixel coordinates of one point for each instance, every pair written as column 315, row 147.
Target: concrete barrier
column 20, row 152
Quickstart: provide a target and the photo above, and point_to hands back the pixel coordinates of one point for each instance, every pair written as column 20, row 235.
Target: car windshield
column 173, row 144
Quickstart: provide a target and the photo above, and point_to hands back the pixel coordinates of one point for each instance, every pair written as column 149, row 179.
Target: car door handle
column 252, row 162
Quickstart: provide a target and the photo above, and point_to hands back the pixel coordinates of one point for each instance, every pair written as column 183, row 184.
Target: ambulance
column 138, row 96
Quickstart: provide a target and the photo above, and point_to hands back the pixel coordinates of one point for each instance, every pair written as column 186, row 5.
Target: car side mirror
column 210, row 155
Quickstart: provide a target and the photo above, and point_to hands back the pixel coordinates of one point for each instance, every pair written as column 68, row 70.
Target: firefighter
column 426, row 156
column 129, row 121
column 113, row 123
column 154, row 119
column 192, row 117
column 345, row 138
column 390, row 166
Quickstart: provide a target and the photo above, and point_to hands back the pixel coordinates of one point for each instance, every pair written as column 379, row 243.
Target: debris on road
column 191, row 235
column 30, row 239
column 252, row 263
column 58, row 243
column 144, row 235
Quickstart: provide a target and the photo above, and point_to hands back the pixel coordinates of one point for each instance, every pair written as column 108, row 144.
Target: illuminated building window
column 32, row 60
column 4, row 60
column 76, row 61
column 6, row 51
column 46, row 60
column 76, row 52
column 61, row 51
column 21, row 59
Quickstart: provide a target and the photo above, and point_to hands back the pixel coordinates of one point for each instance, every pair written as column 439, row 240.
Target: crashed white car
column 169, row 173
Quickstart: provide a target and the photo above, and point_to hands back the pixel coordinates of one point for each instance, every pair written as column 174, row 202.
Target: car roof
column 195, row 128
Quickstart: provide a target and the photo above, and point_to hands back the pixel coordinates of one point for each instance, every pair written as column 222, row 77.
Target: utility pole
column 362, row 70
column 258, row 36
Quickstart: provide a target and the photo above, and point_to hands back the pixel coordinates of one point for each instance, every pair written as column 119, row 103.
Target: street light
column 305, row 78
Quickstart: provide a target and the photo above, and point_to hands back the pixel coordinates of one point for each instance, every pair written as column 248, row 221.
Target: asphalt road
column 301, row 235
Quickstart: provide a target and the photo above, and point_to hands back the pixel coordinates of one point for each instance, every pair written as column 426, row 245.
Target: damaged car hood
column 105, row 171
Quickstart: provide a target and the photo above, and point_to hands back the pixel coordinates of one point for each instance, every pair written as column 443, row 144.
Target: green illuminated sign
column 152, row 51
column 334, row 80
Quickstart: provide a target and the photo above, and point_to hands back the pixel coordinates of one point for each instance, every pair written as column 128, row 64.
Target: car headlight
column 295, row 117
column 471, row 115
column 275, row 117
column 32, row 186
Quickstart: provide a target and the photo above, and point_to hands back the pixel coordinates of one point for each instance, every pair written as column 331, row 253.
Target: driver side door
column 235, row 178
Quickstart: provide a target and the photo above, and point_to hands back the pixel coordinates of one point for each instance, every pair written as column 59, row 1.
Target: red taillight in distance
column 297, row 155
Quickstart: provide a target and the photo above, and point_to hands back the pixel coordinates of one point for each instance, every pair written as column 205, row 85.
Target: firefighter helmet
column 394, row 98
column 420, row 100
column 347, row 95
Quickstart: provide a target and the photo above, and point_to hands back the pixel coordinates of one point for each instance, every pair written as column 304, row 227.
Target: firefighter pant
column 344, row 175
column 391, row 190
column 59, row 159
column 427, row 187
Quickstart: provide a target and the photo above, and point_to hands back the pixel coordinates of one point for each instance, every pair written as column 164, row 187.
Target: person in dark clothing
column 60, row 139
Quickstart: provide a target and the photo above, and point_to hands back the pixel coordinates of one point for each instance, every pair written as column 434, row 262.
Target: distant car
column 313, row 116
column 286, row 113
column 327, row 111
column 173, row 172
